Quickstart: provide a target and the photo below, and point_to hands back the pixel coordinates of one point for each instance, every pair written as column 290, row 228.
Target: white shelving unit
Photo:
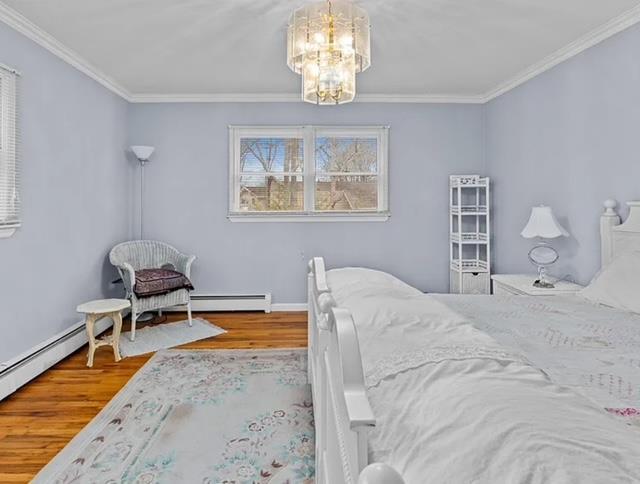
column 469, row 234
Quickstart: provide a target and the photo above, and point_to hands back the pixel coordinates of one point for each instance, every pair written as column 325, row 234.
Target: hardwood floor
column 38, row 420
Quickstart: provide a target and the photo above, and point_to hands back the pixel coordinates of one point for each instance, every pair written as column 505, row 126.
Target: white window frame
column 8, row 130
column 309, row 134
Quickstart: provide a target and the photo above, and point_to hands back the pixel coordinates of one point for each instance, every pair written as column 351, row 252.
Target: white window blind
column 290, row 173
column 9, row 173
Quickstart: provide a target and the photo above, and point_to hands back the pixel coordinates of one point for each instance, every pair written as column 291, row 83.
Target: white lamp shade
column 143, row 153
column 543, row 223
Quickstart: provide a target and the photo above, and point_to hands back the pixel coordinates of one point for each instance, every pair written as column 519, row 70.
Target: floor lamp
column 142, row 153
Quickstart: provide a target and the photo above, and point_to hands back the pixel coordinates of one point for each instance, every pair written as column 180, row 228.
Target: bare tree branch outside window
column 343, row 172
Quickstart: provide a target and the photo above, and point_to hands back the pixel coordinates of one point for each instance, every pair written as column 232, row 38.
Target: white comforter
column 591, row 348
column 454, row 406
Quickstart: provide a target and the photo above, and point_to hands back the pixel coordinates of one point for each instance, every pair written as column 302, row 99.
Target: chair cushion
column 152, row 282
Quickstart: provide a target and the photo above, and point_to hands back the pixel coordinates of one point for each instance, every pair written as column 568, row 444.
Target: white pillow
column 618, row 284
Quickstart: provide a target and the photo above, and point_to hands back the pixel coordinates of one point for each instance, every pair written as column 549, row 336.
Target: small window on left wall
column 9, row 173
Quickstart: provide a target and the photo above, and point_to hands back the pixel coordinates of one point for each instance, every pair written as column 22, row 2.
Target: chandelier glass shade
column 328, row 43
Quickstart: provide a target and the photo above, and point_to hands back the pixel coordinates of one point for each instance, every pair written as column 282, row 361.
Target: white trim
column 40, row 358
column 294, row 98
column 309, row 134
column 234, row 180
column 310, row 217
column 10, row 69
column 9, row 153
column 6, row 232
column 309, row 162
column 216, row 98
column 603, row 32
column 20, row 23
column 226, row 302
column 265, row 129
column 289, row 307
column 420, row 98
column 383, row 171
column 30, row 30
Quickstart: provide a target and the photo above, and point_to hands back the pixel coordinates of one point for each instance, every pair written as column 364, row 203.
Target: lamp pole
column 143, row 153
column 142, row 163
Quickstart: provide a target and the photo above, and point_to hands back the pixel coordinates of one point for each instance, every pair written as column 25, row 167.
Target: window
column 9, row 201
column 308, row 173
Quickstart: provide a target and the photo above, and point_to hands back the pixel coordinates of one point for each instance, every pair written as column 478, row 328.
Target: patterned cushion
column 151, row 282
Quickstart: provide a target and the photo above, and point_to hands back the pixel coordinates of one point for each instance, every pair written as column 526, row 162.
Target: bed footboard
column 343, row 416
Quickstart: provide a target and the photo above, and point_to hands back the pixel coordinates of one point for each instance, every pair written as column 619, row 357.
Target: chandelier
column 328, row 43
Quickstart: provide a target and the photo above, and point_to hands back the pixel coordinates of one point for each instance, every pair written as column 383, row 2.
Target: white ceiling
column 448, row 48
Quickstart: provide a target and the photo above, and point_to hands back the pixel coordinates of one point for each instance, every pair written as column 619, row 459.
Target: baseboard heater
column 228, row 302
column 25, row 367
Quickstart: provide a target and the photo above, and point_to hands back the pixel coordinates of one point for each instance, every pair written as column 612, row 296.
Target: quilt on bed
column 593, row 349
column 455, row 405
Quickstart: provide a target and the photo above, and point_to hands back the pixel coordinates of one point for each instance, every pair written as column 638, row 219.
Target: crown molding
column 215, row 98
column 291, row 97
column 30, row 30
column 419, row 98
column 23, row 25
column 609, row 29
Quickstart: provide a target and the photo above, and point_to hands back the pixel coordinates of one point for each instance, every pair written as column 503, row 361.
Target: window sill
column 6, row 232
column 310, row 217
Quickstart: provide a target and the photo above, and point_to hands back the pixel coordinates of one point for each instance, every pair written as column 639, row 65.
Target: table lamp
column 543, row 225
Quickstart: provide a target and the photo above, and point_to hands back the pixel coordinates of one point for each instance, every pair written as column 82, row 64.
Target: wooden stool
column 103, row 308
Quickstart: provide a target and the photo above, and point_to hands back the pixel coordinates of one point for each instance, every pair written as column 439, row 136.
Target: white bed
column 439, row 389
column 593, row 349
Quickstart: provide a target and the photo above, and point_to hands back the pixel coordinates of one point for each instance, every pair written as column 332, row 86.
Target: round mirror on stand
column 543, row 256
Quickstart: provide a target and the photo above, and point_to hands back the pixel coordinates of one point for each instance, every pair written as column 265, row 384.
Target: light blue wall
column 75, row 196
column 187, row 186
column 568, row 138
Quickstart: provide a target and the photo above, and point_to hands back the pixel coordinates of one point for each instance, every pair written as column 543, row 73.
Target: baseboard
column 227, row 302
column 239, row 305
column 289, row 307
column 25, row 367
column 28, row 365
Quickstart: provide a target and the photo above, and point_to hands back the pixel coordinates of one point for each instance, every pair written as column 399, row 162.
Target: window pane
column 347, row 192
column 346, row 155
column 260, row 193
column 271, row 155
column 1, row 115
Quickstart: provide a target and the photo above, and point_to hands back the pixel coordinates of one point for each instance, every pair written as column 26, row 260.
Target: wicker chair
column 129, row 257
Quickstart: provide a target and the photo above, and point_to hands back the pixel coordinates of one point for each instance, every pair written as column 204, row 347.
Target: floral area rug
column 207, row 417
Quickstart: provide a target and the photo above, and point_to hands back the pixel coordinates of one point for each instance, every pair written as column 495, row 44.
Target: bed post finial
column 608, row 220
column 379, row 473
column 609, row 207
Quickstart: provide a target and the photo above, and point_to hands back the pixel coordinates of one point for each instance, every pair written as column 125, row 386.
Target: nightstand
column 522, row 285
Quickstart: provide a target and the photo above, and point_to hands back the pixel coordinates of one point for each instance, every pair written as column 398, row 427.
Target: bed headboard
column 617, row 238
